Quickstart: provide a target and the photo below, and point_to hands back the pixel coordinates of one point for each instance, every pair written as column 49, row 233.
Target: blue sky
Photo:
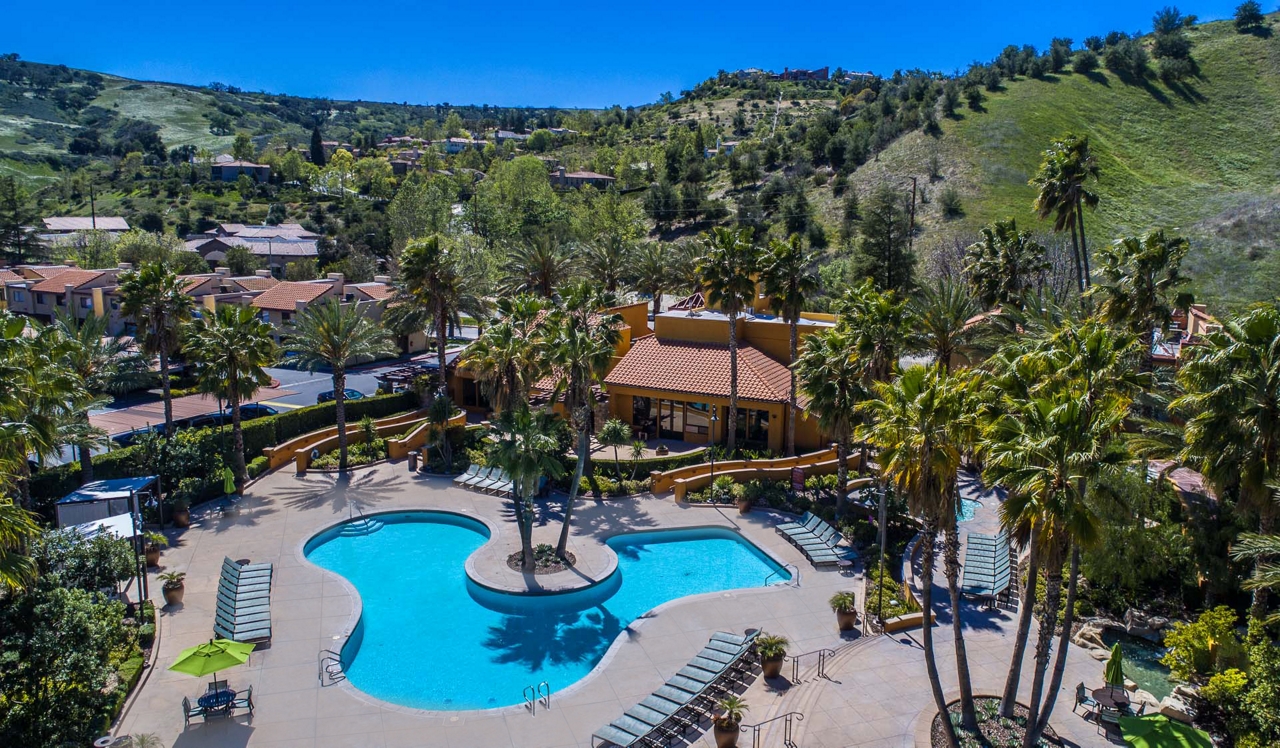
column 567, row 53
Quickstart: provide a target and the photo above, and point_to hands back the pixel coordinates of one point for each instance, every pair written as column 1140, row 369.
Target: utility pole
column 884, row 531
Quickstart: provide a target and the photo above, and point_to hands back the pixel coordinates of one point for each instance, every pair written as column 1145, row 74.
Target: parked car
column 348, row 394
column 129, row 438
column 209, row 421
column 250, row 411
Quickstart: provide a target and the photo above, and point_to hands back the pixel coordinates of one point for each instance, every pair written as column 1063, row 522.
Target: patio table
column 218, row 702
column 1112, row 697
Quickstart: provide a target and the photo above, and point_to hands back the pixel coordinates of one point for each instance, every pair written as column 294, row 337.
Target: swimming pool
column 967, row 509
column 431, row 638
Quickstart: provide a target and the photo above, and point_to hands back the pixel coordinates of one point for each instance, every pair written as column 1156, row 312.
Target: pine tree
column 317, row 147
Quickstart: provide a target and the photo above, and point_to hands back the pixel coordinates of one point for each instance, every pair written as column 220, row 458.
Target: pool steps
column 365, row 526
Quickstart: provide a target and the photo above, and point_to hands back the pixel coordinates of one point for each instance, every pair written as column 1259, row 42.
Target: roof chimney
column 262, row 273
column 385, row 279
column 223, row 271
column 126, row 266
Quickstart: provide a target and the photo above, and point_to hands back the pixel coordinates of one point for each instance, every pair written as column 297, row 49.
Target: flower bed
column 545, row 560
column 996, row 731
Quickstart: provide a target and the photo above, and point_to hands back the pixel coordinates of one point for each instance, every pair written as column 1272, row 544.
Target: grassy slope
column 1203, row 157
column 179, row 111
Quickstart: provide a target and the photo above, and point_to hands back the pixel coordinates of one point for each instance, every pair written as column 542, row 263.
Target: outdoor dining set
column 218, row 700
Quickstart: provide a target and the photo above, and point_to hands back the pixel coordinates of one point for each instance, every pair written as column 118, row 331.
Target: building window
column 86, row 302
column 286, row 316
column 40, row 299
column 753, row 427
column 697, row 419
column 19, row 296
column 115, row 305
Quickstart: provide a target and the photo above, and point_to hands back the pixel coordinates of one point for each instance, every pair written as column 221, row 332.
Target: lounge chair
column 480, row 477
column 819, row 527
column 189, row 711
column 249, row 633
column 260, row 566
column 238, row 577
column 470, row 472
column 806, row 522
column 826, row 539
column 495, row 477
column 502, row 487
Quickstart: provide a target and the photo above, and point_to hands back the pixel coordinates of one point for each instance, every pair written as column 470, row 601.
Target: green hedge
column 649, row 464
column 49, row 485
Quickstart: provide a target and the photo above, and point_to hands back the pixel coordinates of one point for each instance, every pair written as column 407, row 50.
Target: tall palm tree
column 232, row 349
column 337, row 335
column 106, row 366
column 1005, row 264
column 788, row 277
column 606, row 262
column 912, row 421
column 432, row 280
column 878, row 322
column 1231, row 405
column 1139, row 287
column 153, row 296
column 509, row 356
column 538, row 266
column 17, row 528
column 1264, row 551
column 940, row 317
column 525, row 447
column 833, row 379
column 728, row 267
column 1068, row 164
column 581, row 343
column 652, row 271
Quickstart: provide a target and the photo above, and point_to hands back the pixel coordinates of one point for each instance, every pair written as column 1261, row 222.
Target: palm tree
column 153, row 296
column 105, row 365
column 231, row 349
column 940, row 320
column 508, row 356
column 1231, row 402
column 525, row 447
column 606, row 263
column 878, row 322
column 1068, row 164
column 832, row 377
column 432, row 281
column 789, row 280
column 337, row 335
column 1264, row 551
column 651, row 272
column 580, row 346
column 538, row 267
column 1139, row 288
column 17, row 528
column 912, row 422
column 728, row 270
column 1005, row 264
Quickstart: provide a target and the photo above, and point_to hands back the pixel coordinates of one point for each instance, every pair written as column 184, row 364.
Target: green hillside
column 1202, row 156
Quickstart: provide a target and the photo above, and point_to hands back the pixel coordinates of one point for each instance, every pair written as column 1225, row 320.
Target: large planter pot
column 173, row 595
column 181, row 517
column 772, row 666
column 744, row 506
column 726, row 737
column 152, row 554
column 847, row 621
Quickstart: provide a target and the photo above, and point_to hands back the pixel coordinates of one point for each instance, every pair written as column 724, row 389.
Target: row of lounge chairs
column 486, row 480
column 686, row 699
column 817, row 540
column 987, row 568
column 244, row 602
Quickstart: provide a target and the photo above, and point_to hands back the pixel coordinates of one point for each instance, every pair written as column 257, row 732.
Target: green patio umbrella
column 205, row 659
column 1113, row 673
column 1158, row 731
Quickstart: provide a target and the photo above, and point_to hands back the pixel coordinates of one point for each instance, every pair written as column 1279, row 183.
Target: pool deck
column 877, row 694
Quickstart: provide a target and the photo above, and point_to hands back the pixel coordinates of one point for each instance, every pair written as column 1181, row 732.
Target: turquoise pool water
column 1141, row 663
column 431, row 638
column 967, row 509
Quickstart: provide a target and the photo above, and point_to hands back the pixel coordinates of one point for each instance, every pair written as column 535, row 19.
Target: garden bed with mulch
column 545, row 560
column 996, row 731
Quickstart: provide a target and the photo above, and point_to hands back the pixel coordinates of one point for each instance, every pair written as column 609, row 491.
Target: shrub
column 1084, row 62
column 1204, row 646
column 257, row 466
column 146, row 634
column 950, row 203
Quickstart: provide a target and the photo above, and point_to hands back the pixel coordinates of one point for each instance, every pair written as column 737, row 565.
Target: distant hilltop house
column 458, row 145
column 726, row 147
column 277, row 245
column 799, row 74
column 577, row 179
column 61, row 231
column 401, row 141
column 502, row 136
column 561, row 131
column 1185, row 330
column 230, row 171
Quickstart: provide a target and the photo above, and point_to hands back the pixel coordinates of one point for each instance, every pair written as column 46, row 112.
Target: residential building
column 286, row 299
column 726, row 147
column 231, row 171
column 502, row 136
column 277, row 246
column 458, row 145
column 576, row 179
column 799, row 74
column 73, row 224
column 1185, row 331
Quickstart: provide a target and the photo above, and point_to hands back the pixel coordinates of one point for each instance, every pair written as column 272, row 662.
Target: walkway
column 877, row 694
column 120, row 420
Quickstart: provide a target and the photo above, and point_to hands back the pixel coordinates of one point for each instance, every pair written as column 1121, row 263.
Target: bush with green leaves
column 1249, row 17
column 1204, row 646
column 1084, row 62
column 66, row 558
column 950, row 203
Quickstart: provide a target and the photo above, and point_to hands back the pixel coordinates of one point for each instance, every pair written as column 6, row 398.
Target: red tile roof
column 7, row 276
column 700, row 369
column 377, row 291
column 85, row 223
column 254, row 282
column 58, row 282
column 284, row 296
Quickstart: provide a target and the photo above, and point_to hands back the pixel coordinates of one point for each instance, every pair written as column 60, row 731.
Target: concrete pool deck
column 878, row 699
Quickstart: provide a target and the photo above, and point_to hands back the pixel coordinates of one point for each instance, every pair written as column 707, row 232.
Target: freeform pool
column 430, row 638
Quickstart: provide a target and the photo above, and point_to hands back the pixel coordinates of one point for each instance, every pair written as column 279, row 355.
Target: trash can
column 413, row 461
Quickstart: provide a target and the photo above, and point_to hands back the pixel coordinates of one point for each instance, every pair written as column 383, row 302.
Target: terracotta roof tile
column 85, row 223
column 700, row 369
column 58, row 282
column 254, row 282
column 284, row 296
column 376, row 291
column 8, row 276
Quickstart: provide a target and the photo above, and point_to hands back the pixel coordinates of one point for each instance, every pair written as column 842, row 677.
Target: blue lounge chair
column 470, row 472
column 803, row 524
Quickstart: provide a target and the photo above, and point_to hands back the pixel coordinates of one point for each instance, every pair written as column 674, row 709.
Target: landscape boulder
column 1144, row 625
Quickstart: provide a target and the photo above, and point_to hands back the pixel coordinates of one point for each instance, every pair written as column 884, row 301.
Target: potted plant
column 180, row 512
column 173, row 586
column 845, row 605
column 731, row 707
column 153, row 542
column 773, row 650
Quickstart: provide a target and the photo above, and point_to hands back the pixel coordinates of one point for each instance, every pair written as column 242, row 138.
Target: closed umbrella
column 217, row 654
column 1158, row 731
column 1113, row 673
